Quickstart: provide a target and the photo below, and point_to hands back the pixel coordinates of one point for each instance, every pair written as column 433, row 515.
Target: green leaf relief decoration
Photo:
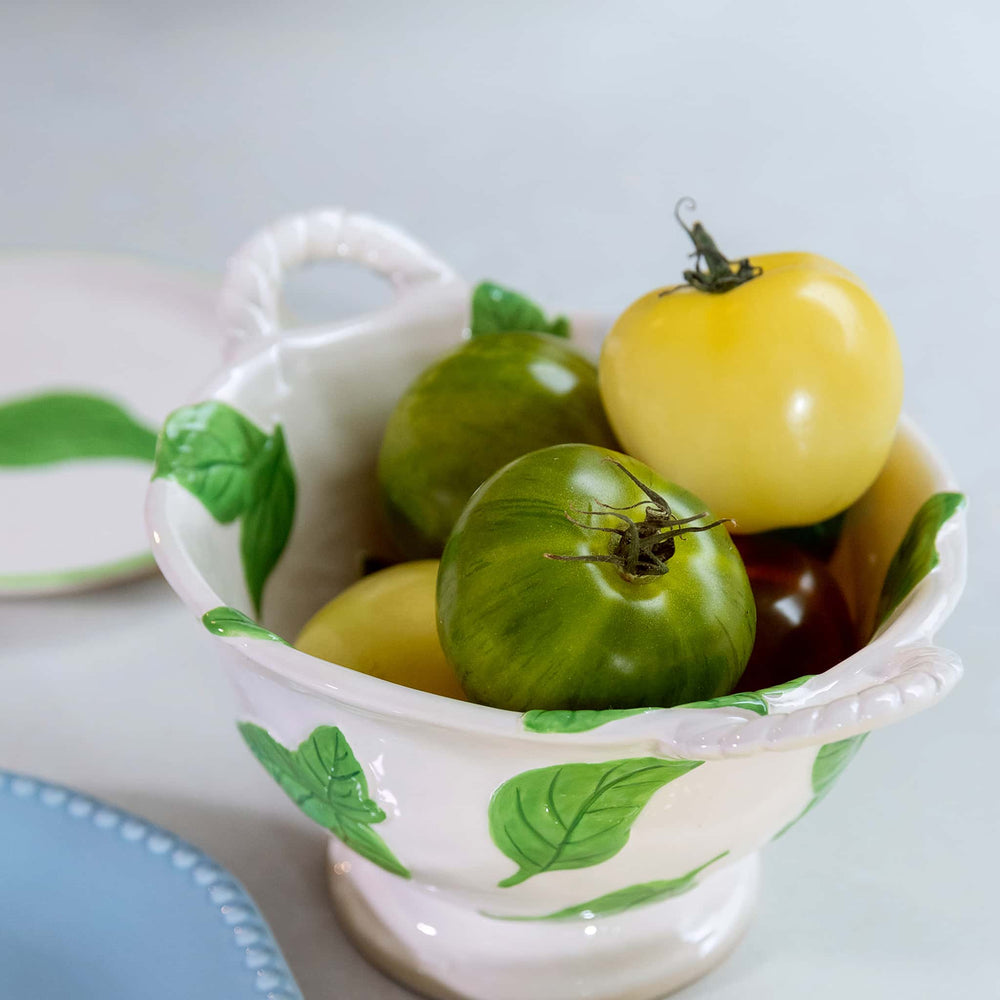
column 540, row 720
column 63, row 426
column 210, row 449
column 917, row 554
column 791, row 685
column 267, row 523
column 751, row 701
column 830, row 763
column 625, row 899
column 231, row 622
column 574, row 815
column 499, row 310
column 827, row 767
column 324, row 779
column 238, row 472
column 565, row 721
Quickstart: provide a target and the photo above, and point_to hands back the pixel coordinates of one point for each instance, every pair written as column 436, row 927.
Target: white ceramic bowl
column 636, row 841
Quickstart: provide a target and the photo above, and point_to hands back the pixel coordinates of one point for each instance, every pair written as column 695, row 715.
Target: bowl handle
column 251, row 290
column 917, row 677
column 908, row 680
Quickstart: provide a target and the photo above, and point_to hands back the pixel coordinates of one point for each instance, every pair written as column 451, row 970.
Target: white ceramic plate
column 96, row 351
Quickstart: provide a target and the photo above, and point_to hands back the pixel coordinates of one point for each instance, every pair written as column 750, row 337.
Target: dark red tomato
column 803, row 623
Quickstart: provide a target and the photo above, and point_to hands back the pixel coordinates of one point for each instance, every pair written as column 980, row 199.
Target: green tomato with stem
column 493, row 399
column 577, row 578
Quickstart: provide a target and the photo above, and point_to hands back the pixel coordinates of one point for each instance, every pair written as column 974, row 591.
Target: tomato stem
column 720, row 274
column 641, row 548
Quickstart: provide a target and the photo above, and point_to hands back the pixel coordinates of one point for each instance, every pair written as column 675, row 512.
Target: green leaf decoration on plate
column 324, row 779
column 917, row 553
column 64, row 426
column 231, row 622
column 236, row 471
column 625, row 899
column 827, row 767
column 574, row 815
column 499, row 310
column 540, row 720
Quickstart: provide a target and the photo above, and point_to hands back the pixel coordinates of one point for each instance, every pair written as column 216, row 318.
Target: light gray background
column 543, row 145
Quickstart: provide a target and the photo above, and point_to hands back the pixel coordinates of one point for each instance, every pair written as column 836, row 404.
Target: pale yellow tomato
column 385, row 625
column 775, row 400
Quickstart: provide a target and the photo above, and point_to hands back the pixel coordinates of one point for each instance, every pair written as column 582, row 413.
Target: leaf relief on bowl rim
column 238, row 472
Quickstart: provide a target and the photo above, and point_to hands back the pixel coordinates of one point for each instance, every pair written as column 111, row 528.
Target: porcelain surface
column 480, row 853
column 99, row 904
column 103, row 347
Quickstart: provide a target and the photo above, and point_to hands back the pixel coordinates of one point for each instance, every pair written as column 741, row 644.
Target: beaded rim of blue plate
column 250, row 933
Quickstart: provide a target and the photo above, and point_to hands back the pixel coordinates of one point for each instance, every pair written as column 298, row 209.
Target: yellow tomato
column 770, row 387
column 386, row 625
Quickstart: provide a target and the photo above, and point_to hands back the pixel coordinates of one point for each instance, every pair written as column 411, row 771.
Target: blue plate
column 96, row 904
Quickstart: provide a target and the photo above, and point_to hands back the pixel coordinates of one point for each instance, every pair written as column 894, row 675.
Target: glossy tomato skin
column 776, row 401
column 527, row 632
column 803, row 623
column 496, row 397
column 385, row 625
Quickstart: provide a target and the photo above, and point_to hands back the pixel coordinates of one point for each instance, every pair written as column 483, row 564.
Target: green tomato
column 566, row 585
column 495, row 398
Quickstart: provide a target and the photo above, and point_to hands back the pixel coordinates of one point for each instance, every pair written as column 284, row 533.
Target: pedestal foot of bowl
column 449, row 952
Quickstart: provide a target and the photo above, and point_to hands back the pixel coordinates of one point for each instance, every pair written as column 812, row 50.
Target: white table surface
column 542, row 145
